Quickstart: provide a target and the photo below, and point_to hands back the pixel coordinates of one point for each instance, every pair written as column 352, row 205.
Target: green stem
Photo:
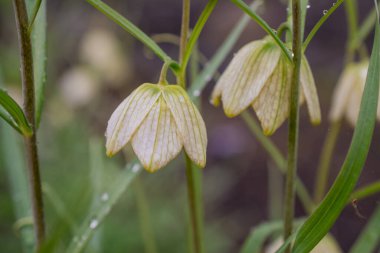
column 366, row 191
column 261, row 22
column 27, row 77
column 293, row 121
column 352, row 21
column 320, row 23
column 325, row 160
column 188, row 46
column 194, row 206
column 144, row 217
column 278, row 159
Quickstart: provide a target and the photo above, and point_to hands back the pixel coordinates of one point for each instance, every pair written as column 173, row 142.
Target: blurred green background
column 93, row 65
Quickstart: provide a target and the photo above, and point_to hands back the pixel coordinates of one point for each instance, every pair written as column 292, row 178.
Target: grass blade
column 95, row 218
column 12, row 158
column 15, row 112
column 369, row 238
column 322, row 219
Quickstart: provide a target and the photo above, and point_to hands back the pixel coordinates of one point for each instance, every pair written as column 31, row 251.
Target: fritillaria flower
column 260, row 76
column 158, row 120
column 348, row 93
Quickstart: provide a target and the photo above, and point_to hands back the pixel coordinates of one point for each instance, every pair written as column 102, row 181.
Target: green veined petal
column 128, row 116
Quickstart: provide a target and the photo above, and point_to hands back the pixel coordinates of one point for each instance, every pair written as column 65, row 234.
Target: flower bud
column 260, row 75
column 158, row 120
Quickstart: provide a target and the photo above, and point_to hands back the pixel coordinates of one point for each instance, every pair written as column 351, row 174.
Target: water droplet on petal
column 94, row 223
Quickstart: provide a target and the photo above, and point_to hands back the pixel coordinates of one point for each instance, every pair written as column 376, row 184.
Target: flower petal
column 247, row 74
column 189, row 122
column 342, row 93
column 272, row 104
column 128, row 116
column 353, row 106
column 157, row 141
column 310, row 92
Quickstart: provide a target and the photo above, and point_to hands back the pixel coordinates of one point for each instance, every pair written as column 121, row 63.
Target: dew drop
column 197, row 93
column 324, row 12
column 104, row 197
column 308, row 6
column 94, row 223
column 135, row 168
column 334, row 4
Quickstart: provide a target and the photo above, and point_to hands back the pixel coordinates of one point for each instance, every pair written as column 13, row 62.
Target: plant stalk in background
column 27, row 75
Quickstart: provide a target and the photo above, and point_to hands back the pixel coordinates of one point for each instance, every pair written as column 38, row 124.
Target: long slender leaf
column 12, row 158
column 133, row 30
column 111, row 197
column 15, row 112
column 323, row 218
column 369, row 238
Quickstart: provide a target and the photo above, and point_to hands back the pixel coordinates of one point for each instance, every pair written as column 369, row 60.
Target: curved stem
column 29, row 110
column 320, row 23
column 261, row 22
column 293, row 121
column 325, row 160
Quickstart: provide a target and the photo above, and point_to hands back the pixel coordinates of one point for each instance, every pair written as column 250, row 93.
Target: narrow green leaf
column 97, row 216
column 323, row 218
column 369, row 238
column 212, row 66
column 133, row 30
column 13, row 161
column 366, row 191
column 39, row 58
column 20, row 122
column 197, row 31
column 244, row 7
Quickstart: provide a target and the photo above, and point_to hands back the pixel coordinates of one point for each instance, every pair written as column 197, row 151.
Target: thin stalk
column 352, row 21
column 27, row 77
column 144, row 217
column 293, row 121
column 315, row 29
column 193, row 184
column 325, row 160
column 366, row 191
column 278, row 159
column 195, row 212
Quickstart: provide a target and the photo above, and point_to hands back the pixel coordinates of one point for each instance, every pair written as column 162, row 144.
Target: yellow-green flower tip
column 260, row 75
column 158, row 120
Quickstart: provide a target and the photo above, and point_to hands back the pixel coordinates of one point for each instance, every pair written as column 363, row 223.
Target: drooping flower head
column 158, row 120
column 260, row 75
column 348, row 93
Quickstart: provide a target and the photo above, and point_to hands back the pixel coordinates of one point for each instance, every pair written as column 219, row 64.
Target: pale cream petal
column 272, row 104
column 157, row 141
column 128, row 116
column 229, row 76
column 189, row 122
column 310, row 92
column 342, row 93
column 245, row 79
